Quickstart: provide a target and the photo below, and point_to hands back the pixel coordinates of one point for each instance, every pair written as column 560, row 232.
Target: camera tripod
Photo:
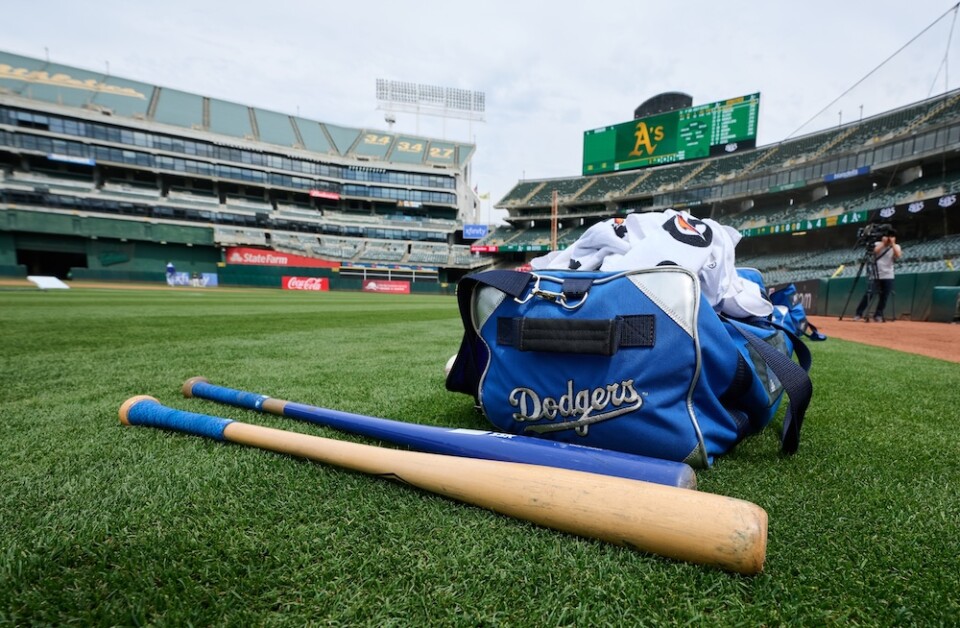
column 869, row 262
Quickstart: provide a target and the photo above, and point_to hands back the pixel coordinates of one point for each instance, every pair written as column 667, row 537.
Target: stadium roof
column 39, row 80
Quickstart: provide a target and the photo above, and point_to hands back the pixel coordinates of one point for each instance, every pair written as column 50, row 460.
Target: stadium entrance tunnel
column 50, row 263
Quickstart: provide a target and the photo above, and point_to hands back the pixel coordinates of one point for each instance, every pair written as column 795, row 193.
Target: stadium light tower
column 431, row 100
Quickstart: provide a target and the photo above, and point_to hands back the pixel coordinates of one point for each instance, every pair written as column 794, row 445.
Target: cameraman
column 884, row 253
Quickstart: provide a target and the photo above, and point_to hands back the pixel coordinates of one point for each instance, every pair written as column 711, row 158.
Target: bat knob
column 187, row 389
column 129, row 403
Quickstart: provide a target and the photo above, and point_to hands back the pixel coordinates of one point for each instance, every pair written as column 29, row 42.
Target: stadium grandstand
column 103, row 177
column 799, row 204
column 109, row 178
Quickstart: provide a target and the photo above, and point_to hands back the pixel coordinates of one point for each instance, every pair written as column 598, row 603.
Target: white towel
column 647, row 239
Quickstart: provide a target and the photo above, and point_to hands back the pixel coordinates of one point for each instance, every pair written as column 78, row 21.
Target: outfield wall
column 8, row 252
column 912, row 299
column 271, row 277
column 110, row 248
column 913, row 293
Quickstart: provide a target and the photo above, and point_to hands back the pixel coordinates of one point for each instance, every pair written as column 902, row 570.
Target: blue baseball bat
column 674, row 522
column 460, row 442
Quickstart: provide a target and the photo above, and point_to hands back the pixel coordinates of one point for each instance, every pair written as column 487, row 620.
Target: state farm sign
column 305, row 283
column 266, row 257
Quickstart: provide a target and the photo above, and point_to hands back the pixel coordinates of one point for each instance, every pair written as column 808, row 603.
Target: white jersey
column 648, row 239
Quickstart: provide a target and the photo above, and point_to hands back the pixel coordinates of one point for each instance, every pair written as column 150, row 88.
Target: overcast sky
column 550, row 70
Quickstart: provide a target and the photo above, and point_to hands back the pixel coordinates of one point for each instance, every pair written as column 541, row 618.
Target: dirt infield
column 935, row 340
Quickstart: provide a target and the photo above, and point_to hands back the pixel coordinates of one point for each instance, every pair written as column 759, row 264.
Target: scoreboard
column 695, row 132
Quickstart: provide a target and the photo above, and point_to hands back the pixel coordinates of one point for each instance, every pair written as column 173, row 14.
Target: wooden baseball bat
column 677, row 523
column 460, row 442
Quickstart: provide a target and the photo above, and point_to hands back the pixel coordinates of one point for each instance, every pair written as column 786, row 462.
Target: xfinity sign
column 474, row 232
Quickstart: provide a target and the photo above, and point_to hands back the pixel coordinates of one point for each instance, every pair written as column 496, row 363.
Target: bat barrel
column 685, row 525
column 459, row 442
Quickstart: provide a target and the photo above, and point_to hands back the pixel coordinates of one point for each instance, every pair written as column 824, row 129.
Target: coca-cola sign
column 306, row 283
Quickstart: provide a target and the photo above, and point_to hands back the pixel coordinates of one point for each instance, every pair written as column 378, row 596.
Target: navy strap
column 813, row 333
column 803, row 353
column 464, row 376
column 795, row 379
column 576, row 288
column 512, row 282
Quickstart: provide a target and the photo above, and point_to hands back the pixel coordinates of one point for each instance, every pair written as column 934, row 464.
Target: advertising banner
column 383, row 285
column 266, row 257
column 196, row 280
column 320, row 284
column 509, row 248
column 474, row 232
column 849, row 174
column 889, row 214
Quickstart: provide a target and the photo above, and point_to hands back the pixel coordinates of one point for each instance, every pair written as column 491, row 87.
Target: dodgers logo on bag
column 635, row 361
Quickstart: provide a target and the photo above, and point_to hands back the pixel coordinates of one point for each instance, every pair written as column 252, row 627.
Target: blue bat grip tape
column 229, row 396
column 152, row 414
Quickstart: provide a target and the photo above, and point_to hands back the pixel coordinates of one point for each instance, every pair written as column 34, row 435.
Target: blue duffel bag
column 634, row 361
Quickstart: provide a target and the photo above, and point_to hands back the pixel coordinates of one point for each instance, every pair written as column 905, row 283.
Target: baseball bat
column 459, row 442
column 677, row 523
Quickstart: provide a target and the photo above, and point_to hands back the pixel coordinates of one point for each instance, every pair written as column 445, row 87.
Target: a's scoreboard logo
column 647, row 137
column 713, row 129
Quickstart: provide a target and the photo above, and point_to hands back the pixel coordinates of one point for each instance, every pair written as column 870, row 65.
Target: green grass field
column 102, row 524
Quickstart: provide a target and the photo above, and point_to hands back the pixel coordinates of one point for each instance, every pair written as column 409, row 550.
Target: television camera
column 874, row 232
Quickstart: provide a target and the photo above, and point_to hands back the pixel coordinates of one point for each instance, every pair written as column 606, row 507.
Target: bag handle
column 584, row 336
